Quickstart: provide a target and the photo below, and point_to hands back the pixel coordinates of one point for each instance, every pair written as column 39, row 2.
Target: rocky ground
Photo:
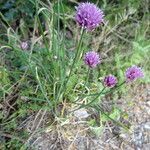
column 75, row 134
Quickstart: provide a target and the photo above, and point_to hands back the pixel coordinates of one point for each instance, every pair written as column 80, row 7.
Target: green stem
column 95, row 94
column 41, row 87
column 82, row 105
column 77, row 54
column 44, row 38
column 116, row 122
column 73, row 64
column 116, row 88
column 87, row 77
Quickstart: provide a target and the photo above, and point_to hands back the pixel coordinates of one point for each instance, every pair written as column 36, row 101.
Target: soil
column 73, row 133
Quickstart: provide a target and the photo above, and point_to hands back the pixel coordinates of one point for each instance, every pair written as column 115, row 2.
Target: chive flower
column 133, row 73
column 24, row 45
column 110, row 81
column 88, row 15
column 92, row 59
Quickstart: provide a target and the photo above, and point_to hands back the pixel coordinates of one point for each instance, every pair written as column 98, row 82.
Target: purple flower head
column 92, row 59
column 24, row 45
column 133, row 73
column 110, row 81
column 88, row 15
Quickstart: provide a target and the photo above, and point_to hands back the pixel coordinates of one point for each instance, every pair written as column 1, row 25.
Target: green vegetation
column 45, row 76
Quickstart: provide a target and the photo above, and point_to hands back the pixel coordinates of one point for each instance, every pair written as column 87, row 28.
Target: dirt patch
column 74, row 133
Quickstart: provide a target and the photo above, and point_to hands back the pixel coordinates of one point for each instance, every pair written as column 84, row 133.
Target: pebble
column 81, row 113
column 148, row 103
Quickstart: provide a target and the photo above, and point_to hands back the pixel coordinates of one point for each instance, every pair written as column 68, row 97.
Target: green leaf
column 97, row 130
column 115, row 114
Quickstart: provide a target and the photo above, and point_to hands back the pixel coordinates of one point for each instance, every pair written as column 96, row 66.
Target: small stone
column 147, row 126
column 81, row 113
column 116, row 130
column 148, row 103
column 124, row 136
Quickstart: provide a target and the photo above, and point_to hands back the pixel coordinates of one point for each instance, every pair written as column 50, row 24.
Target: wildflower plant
column 53, row 71
column 88, row 16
